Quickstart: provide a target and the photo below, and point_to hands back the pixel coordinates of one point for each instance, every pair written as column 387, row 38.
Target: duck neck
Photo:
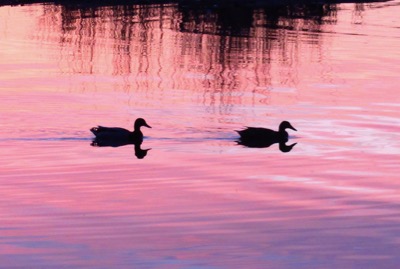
column 136, row 138
column 136, row 128
column 136, row 132
column 282, row 129
column 283, row 134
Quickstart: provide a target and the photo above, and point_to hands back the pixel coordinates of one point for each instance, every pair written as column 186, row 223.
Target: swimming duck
column 115, row 136
column 262, row 137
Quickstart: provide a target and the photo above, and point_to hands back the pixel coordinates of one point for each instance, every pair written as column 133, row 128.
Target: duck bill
column 148, row 126
column 291, row 127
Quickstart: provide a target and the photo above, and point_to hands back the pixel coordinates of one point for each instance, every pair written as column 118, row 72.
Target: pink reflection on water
column 197, row 199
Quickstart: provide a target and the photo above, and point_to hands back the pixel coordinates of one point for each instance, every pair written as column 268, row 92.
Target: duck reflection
column 139, row 152
column 256, row 137
column 117, row 137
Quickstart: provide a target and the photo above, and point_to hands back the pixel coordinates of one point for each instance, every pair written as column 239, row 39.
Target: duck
column 258, row 137
column 116, row 136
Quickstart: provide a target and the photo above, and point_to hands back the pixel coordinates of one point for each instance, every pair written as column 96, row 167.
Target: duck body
column 257, row 137
column 116, row 136
column 262, row 135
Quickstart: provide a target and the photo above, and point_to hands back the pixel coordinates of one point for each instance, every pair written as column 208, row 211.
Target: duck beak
column 291, row 127
column 148, row 126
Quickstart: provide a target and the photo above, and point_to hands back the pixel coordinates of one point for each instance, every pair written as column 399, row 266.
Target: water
column 197, row 199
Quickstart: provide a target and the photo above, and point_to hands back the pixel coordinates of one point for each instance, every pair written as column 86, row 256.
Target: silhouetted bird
column 115, row 136
column 256, row 137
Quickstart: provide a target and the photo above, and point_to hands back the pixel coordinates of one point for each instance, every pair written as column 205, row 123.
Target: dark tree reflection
column 222, row 51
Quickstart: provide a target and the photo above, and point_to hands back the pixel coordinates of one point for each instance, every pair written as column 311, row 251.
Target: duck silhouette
column 256, row 137
column 116, row 136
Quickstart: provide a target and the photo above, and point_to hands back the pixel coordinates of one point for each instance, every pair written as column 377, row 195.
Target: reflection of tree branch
column 225, row 51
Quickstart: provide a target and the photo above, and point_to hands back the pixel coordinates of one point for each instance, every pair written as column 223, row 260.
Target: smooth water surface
column 196, row 74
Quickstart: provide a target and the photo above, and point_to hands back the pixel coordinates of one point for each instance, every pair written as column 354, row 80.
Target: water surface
column 198, row 200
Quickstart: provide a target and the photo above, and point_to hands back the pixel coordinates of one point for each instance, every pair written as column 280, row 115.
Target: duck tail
column 95, row 130
column 240, row 132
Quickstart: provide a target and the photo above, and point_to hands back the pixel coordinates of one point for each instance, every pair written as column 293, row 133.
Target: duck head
column 285, row 125
column 141, row 122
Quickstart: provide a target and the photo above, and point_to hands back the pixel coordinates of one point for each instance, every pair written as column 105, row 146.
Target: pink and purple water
column 198, row 200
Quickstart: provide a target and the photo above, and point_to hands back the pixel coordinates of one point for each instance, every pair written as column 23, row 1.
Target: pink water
column 198, row 200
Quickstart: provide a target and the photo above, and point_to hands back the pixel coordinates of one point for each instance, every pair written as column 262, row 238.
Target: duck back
column 262, row 134
column 115, row 136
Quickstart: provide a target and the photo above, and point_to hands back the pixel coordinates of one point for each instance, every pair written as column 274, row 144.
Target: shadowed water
column 197, row 198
